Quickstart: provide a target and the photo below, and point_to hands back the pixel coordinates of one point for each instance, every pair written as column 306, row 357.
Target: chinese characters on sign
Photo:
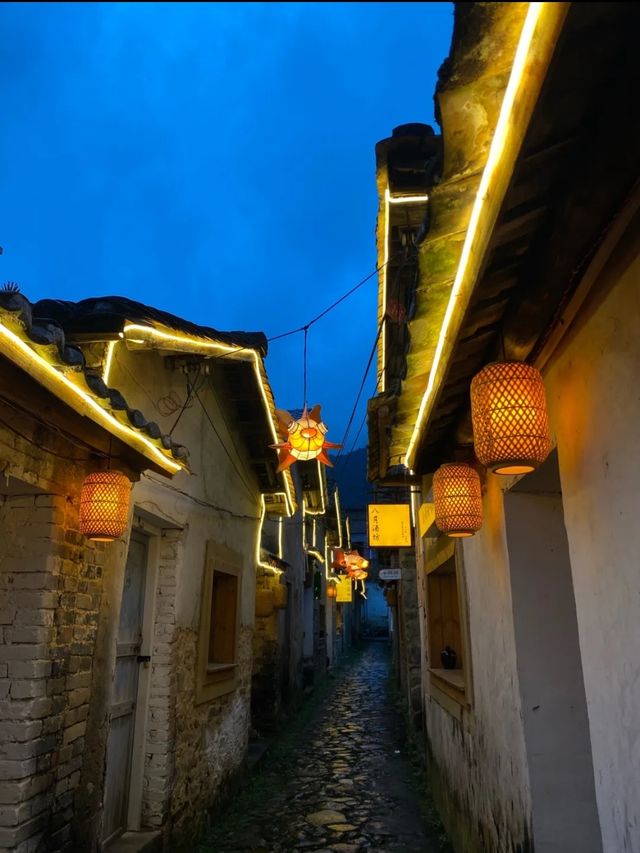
column 344, row 591
column 389, row 526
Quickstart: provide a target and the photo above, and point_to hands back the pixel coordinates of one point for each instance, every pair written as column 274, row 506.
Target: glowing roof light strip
column 495, row 152
column 259, row 561
column 388, row 200
column 337, row 502
column 50, row 377
column 108, row 362
column 201, row 343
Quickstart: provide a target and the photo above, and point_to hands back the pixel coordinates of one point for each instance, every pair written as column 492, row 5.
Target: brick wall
column 159, row 749
column 50, row 596
column 50, row 585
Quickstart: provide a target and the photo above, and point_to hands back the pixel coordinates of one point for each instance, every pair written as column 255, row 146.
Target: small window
column 219, row 623
column 222, row 625
column 447, row 645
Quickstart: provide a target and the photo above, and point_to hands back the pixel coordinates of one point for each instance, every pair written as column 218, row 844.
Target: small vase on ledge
column 448, row 657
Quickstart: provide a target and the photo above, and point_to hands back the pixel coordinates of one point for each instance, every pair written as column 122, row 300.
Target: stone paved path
column 345, row 783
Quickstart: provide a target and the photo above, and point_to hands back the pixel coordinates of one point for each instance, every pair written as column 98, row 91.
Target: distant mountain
column 350, row 473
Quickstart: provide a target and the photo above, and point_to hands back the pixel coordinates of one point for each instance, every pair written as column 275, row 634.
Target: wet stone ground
column 342, row 781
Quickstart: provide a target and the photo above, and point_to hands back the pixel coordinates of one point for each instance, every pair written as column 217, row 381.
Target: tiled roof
column 44, row 334
column 109, row 314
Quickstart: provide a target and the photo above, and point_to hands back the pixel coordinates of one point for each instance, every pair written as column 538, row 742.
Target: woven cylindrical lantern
column 509, row 413
column 104, row 505
column 332, row 590
column 457, row 500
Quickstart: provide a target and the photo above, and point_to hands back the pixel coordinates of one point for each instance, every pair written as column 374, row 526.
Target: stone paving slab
column 346, row 784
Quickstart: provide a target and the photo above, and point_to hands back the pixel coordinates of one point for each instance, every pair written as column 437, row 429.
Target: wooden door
column 124, row 691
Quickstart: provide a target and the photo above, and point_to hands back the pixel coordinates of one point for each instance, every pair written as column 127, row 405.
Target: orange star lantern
column 305, row 438
column 351, row 563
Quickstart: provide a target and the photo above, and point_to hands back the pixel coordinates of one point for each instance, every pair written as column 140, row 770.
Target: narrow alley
column 343, row 782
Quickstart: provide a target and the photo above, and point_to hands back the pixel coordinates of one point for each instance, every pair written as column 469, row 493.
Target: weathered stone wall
column 210, row 739
column 159, row 766
column 269, row 655
column 410, row 632
column 192, row 747
column 477, row 759
column 50, row 589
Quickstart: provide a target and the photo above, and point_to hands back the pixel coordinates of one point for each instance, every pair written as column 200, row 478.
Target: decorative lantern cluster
column 510, row 435
column 104, row 505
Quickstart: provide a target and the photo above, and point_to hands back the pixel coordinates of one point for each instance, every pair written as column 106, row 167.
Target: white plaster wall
column 481, row 758
column 219, row 501
column 556, row 728
column 146, row 382
column 594, row 399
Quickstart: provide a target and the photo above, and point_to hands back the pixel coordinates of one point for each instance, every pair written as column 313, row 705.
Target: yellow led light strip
column 503, row 128
column 337, row 501
column 108, row 362
column 243, row 353
column 54, row 380
column 388, row 200
column 323, row 495
column 316, row 554
column 347, row 525
column 259, row 560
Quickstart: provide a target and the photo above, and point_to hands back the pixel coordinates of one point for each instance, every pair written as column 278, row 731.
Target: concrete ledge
column 145, row 841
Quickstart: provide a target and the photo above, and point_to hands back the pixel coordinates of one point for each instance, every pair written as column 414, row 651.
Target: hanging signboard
column 344, row 591
column 389, row 526
column 389, row 574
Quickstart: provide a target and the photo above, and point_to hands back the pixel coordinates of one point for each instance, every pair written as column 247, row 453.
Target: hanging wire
column 191, row 390
column 250, row 491
column 360, row 390
column 304, row 395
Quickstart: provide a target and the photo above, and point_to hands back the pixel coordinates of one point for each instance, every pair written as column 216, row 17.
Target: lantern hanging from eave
column 509, row 413
column 457, row 500
column 305, row 438
column 332, row 590
column 104, row 505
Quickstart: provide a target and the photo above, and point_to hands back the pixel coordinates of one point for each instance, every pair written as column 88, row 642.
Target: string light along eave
column 241, row 353
column 59, row 384
column 388, row 201
column 524, row 59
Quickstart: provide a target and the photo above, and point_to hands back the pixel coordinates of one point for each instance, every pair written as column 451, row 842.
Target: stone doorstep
column 145, row 841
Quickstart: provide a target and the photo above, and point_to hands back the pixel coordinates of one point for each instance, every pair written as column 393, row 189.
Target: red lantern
column 104, row 505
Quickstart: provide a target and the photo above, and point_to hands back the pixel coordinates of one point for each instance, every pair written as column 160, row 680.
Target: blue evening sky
column 213, row 160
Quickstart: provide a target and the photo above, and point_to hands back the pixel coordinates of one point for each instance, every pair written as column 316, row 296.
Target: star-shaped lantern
column 305, row 438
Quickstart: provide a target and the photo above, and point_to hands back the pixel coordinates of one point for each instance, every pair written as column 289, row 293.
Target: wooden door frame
column 141, row 718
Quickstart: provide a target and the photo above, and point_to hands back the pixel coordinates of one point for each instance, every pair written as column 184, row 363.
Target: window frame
column 217, row 679
column 452, row 693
